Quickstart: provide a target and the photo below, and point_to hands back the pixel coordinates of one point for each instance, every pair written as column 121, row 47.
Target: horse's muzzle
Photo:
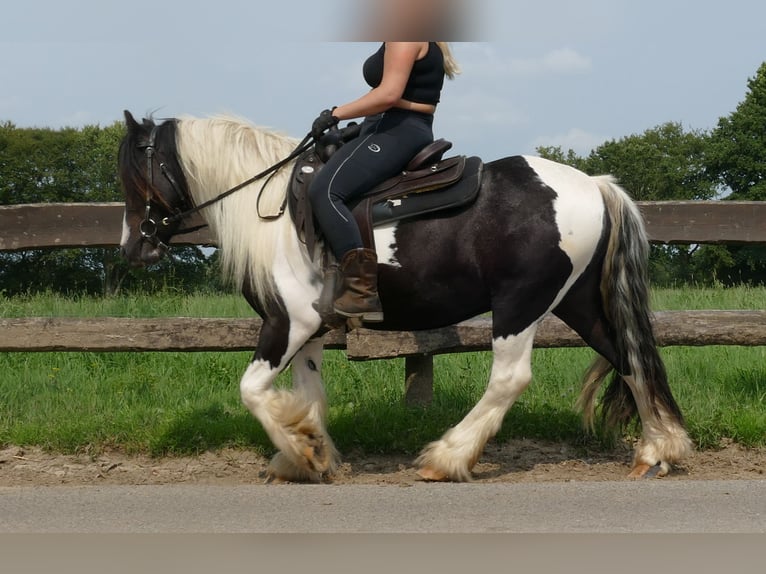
column 142, row 253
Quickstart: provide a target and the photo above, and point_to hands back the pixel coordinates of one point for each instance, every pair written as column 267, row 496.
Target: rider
column 406, row 80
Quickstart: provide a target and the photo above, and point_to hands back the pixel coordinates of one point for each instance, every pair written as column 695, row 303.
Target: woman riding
column 406, row 80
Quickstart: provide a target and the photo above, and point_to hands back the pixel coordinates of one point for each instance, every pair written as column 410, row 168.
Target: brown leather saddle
column 427, row 184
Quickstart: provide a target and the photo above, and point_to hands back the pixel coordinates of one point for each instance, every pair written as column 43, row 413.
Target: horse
column 541, row 238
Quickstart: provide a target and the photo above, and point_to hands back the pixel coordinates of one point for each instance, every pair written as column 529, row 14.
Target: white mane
column 218, row 153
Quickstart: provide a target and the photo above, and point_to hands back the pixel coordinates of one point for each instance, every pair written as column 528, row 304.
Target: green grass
column 734, row 298
column 169, row 304
column 189, row 402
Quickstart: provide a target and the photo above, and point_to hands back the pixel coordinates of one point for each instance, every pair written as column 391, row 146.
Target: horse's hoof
column 281, row 470
column 639, row 471
column 274, row 479
column 316, row 457
column 645, row 471
column 432, row 475
column 319, row 454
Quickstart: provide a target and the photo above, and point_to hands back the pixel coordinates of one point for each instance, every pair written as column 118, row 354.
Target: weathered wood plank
column 43, row 225
column 127, row 334
column 705, row 221
column 100, row 224
column 702, row 328
column 472, row 335
column 673, row 328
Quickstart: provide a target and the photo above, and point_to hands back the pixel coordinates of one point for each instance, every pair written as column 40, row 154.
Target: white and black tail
column 641, row 388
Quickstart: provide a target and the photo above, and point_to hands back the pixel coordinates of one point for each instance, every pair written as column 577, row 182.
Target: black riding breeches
column 386, row 143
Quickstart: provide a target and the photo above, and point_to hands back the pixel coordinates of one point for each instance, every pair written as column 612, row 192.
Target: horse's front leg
column 454, row 455
column 294, row 421
column 304, row 414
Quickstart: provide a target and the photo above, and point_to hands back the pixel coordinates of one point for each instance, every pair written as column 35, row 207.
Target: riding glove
column 323, row 123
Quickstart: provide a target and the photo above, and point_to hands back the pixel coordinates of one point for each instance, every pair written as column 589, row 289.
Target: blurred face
column 411, row 20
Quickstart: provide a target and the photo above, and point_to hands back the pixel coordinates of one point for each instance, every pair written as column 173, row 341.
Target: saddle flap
column 299, row 204
column 436, row 176
column 395, row 207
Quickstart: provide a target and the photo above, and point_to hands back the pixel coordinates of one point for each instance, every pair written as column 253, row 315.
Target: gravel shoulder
column 515, row 461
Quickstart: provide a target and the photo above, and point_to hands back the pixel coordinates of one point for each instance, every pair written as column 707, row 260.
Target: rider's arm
column 397, row 65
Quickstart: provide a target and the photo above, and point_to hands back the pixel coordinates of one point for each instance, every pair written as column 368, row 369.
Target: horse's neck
column 222, row 154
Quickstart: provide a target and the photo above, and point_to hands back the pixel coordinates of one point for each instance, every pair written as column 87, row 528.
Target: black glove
column 323, row 123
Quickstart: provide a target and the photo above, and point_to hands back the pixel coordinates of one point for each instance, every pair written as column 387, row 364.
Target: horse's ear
column 131, row 122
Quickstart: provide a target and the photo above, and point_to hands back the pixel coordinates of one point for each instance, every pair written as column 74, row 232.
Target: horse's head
column 154, row 186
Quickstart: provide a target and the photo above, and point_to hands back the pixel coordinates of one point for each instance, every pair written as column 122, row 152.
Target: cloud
column 482, row 109
column 485, row 60
column 560, row 61
column 567, row 61
column 579, row 140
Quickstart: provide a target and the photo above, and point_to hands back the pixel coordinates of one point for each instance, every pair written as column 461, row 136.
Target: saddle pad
column 461, row 193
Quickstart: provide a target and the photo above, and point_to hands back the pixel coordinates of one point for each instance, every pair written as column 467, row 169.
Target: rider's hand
column 323, row 123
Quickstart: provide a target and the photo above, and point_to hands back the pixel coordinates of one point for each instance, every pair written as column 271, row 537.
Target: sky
column 540, row 72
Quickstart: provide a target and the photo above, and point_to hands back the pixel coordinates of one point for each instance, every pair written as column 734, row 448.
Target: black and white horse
column 541, row 238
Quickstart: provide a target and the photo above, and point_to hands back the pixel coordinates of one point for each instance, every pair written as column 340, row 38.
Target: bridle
column 149, row 227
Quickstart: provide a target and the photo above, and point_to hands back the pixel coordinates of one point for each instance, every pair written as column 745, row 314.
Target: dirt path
column 514, row 461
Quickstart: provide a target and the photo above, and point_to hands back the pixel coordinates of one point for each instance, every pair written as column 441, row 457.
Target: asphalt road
column 649, row 506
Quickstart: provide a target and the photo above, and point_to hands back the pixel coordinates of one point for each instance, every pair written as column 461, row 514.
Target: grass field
column 188, row 402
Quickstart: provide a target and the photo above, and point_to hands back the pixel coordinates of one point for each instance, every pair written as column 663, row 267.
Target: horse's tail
column 625, row 296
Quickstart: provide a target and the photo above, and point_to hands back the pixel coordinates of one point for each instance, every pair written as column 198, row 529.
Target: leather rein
column 149, row 227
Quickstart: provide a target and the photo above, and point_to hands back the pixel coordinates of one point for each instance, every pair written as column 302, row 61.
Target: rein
column 149, row 227
column 304, row 145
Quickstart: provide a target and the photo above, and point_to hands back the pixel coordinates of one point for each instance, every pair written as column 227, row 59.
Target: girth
column 427, row 185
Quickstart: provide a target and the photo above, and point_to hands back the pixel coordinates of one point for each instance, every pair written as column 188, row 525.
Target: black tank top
column 426, row 78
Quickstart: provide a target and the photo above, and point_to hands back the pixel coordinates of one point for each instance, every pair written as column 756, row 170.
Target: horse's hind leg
column 454, row 455
column 640, row 389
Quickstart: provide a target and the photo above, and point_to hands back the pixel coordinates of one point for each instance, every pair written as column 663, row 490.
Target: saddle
column 428, row 184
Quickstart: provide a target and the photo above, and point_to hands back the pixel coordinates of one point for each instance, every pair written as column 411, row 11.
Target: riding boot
column 359, row 284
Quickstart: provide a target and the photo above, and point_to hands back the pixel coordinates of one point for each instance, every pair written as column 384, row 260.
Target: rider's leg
column 382, row 149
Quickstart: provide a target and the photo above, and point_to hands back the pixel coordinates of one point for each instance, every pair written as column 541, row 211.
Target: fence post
column 418, row 380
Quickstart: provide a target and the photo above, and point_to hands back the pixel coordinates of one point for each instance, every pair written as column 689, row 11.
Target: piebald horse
column 540, row 238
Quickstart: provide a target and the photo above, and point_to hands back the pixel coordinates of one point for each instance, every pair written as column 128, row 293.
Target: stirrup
column 365, row 317
column 373, row 317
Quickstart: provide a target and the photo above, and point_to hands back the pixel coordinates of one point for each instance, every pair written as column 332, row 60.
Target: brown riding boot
column 359, row 295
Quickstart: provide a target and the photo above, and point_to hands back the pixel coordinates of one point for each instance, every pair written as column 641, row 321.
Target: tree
column 70, row 165
column 738, row 144
column 663, row 163
column 737, row 158
column 42, row 165
column 555, row 153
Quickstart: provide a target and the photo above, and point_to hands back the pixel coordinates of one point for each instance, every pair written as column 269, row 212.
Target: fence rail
column 114, row 334
column 98, row 225
column 35, row 226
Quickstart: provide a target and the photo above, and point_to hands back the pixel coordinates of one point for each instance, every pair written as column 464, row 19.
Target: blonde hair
column 451, row 67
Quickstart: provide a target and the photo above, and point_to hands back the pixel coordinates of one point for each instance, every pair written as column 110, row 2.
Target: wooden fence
column 99, row 225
